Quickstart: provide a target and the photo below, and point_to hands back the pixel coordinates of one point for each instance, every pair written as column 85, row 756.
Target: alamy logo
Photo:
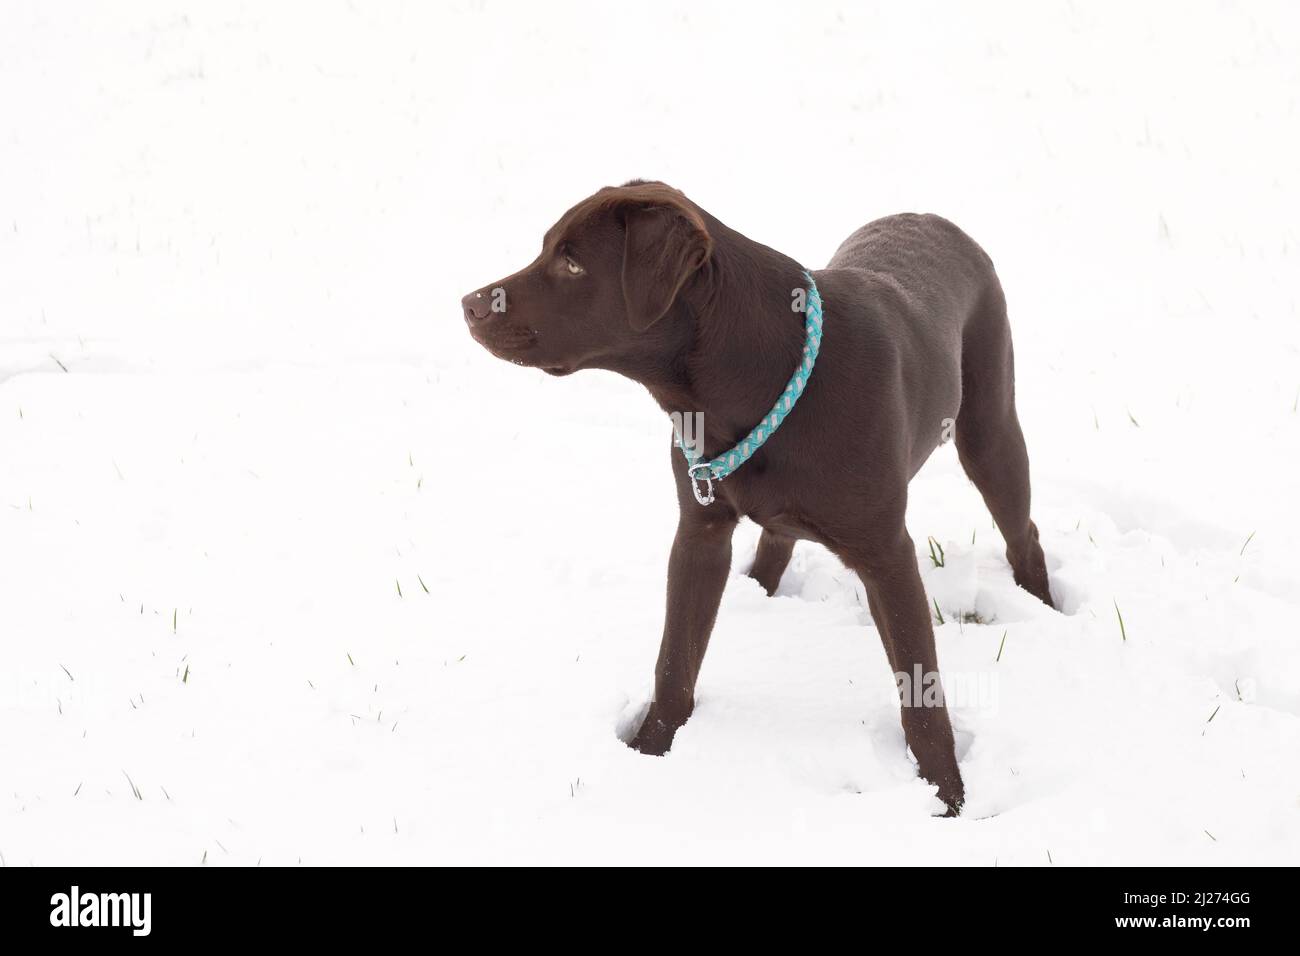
column 688, row 429
column 102, row 909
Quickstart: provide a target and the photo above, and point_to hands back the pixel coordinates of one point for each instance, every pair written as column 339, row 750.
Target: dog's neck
column 731, row 341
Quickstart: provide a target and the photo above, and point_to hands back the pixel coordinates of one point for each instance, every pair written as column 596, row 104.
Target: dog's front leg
column 898, row 606
column 697, row 573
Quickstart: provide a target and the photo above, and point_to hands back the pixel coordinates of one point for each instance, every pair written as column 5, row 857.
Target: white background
column 239, row 410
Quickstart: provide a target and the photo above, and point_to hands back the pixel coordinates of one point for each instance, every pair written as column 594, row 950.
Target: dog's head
column 610, row 269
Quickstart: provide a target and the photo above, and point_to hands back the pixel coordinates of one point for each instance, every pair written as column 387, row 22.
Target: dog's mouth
column 513, row 344
column 503, row 342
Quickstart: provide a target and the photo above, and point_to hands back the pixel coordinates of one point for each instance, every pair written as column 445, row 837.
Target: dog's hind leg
column 774, row 550
column 990, row 444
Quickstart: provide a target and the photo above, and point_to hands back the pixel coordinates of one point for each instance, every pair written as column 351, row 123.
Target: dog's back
column 934, row 265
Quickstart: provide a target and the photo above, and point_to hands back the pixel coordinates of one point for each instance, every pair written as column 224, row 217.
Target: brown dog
column 640, row 280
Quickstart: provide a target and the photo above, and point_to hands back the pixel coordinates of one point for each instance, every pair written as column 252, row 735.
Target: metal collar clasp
column 704, row 497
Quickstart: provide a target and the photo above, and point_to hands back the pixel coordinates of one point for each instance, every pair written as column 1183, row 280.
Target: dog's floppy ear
column 666, row 242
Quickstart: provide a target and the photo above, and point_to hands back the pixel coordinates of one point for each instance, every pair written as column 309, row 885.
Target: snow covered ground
column 291, row 570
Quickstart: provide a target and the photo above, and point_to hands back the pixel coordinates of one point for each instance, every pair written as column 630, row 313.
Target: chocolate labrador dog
column 914, row 347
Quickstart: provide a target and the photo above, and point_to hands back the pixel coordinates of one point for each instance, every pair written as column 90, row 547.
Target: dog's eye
column 574, row 268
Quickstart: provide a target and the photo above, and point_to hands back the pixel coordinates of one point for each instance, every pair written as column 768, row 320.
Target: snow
column 239, row 410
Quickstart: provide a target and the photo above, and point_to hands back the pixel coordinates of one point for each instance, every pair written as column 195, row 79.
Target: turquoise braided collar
column 707, row 472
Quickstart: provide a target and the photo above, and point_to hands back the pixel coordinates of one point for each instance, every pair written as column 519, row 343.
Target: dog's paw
column 654, row 739
column 951, row 799
column 952, row 794
column 655, row 735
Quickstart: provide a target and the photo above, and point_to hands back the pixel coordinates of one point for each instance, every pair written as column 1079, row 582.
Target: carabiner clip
column 706, row 497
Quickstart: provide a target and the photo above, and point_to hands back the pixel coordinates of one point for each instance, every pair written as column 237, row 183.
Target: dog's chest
column 772, row 502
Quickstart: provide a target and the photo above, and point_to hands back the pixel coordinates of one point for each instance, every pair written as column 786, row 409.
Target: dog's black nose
column 477, row 307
